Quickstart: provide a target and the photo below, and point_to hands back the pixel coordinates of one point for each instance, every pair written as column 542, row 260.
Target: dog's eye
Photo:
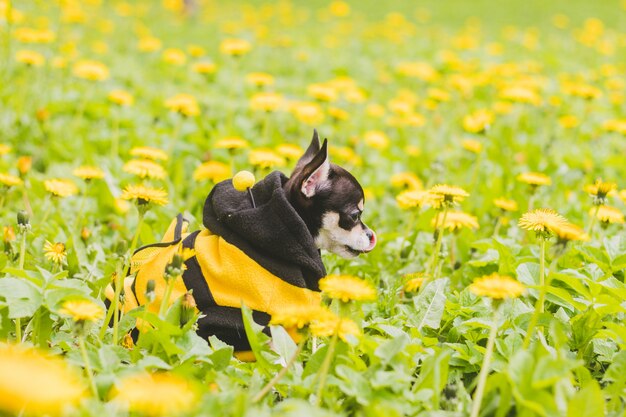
column 355, row 216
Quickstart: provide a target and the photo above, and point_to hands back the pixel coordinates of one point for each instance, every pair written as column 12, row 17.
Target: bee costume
column 263, row 256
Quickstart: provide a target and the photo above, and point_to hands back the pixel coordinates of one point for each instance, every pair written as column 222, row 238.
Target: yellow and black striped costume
column 263, row 256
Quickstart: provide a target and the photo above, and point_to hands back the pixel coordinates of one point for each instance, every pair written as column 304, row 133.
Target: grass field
column 486, row 304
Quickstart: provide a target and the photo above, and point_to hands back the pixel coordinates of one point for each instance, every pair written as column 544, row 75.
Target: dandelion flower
column 55, row 252
column 534, row 178
column 413, row 199
column 497, row 287
column 185, row 104
column 472, row 145
column 289, row 151
column 90, row 70
column 156, row 395
column 82, row 310
column 347, row 288
column 567, row 232
column 267, row 102
column 449, row 193
column 328, row 324
column 376, row 139
column 32, row 383
column 204, row 67
column 414, row 281
column 88, row 173
column 235, row 47
column 121, row 97
column 505, row 204
column 145, row 195
column 478, row 121
column 600, row 190
column 28, row 57
column 455, row 220
column 406, row 180
column 212, row 171
column 4, row 149
column 265, row 158
column 60, row 187
column 542, row 221
column 145, row 168
column 9, row 180
column 231, row 142
column 147, row 152
column 608, row 214
column 297, row 316
column 259, row 79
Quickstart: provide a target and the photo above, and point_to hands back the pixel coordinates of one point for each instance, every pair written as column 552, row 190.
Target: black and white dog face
column 330, row 201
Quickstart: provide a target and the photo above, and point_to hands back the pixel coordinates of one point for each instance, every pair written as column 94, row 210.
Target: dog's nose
column 372, row 238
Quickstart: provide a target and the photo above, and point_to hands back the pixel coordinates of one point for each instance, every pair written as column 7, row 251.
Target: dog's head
column 330, row 201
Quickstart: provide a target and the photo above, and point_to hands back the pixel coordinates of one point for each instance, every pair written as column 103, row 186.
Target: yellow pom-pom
column 243, row 180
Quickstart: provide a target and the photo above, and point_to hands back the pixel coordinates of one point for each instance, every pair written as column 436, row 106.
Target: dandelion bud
column 85, row 234
column 24, row 163
column 175, row 267
column 150, row 290
column 188, row 308
column 121, row 247
column 8, row 234
column 128, row 341
column 23, row 219
column 243, row 180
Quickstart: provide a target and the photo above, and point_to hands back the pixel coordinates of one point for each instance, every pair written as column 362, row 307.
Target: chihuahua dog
column 260, row 249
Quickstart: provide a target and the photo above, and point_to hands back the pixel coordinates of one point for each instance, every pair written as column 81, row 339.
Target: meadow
column 489, row 140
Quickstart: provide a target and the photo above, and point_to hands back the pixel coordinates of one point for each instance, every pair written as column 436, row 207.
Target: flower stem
column 441, row 228
column 165, row 302
column 484, row 369
column 539, row 308
column 259, row 396
column 119, row 283
column 18, row 330
column 83, row 352
column 330, row 353
column 22, row 251
column 592, row 222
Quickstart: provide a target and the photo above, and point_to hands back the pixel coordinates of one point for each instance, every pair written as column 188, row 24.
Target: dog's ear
column 315, row 173
column 311, row 151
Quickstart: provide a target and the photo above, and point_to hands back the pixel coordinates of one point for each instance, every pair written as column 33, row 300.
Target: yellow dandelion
column 82, row 310
column 265, row 158
column 212, row 171
column 60, row 187
column 505, row 204
column 121, row 97
column 55, row 252
column 566, row 232
column 231, row 143
column 376, row 139
column 406, row 180
column 174, row 56
column 156, row 395
column 322, row 92
column 36, row 384
column 541, row 220
column 88, row 173
column 497, row 287
column 9, row 180
column 478, row 121
column 259, row 79
column 28, row 57
column 608, row 214
column 347, row 288
column 24, row 164
column 145, row 168
column 448, row 193
column 414, row 281
column 90, row 70
column 455, row 220
column 600, row 189
column 235, row 47
column 147, row 152
column 149, row 44
column 308, row 113
column 297, row 316
column 267, row 102
column 185, row 104
column 145, row 195
column 289, row 151
column 472, row 145
column 338, row 113
column 534, row 178
column 414, row 199
column 328, row 324
column 204, row 67
column 4, row 149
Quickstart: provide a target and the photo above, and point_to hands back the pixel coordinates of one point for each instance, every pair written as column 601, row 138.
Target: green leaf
column 283, row 343
column 256, row 338
column 430, row 304
column 390, row 348
column 22, row 297
column 587, row 402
